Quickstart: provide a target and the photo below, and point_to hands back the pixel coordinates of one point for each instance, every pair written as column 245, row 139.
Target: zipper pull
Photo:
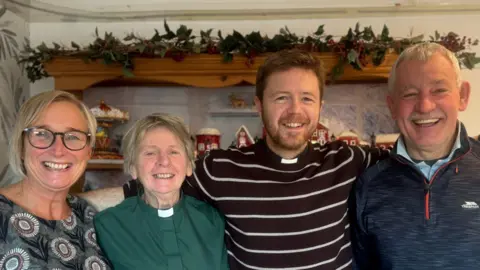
column 456, row 168
column 426, row 188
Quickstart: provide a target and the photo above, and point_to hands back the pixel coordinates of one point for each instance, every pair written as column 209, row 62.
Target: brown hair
column 285, row 60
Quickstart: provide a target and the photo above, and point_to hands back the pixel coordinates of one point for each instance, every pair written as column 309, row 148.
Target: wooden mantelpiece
column 201, row 70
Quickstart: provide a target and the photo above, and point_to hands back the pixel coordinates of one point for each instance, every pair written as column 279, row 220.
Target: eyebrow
column 68, row 129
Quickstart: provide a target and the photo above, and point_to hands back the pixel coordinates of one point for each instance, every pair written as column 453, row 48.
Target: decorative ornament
column 244, row 138
column 207, row 139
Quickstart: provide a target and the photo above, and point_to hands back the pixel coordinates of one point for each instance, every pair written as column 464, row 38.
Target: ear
column 391, row 105
column 133, row 172
column 464, row 96
column 189, row 169
column 258, row 105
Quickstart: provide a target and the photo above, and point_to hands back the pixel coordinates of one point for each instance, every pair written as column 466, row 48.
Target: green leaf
column 378, row 56
column 320, row 30
column 337, row 70
column 352, row 56
column 368, row 34
column 417, row 39
column 127, row 73
column 357, row 29
column 75, row 45
column 96, row 31
column 182, row 31
column 42, row 47
column 227, row 57
column 141, row 47
column 56, row 46
column 385, row 34
column 437, row 35
column 163, row 52
column 165, row 25
column 349, row 34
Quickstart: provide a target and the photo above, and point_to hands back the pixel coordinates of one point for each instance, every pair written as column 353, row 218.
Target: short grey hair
column 134, row 136
column 30, row 111
column 423, row 52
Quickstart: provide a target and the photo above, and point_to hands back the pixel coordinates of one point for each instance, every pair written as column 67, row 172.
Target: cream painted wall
column 82, row 33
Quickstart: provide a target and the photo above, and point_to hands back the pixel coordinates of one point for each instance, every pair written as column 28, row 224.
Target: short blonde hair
column 134, row 136
column 423, row 52
column 30, row 112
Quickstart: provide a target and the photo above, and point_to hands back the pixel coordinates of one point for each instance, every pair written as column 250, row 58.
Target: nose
column 295, row 105
column 425, row 104
column 163, row 159
column 58, row 147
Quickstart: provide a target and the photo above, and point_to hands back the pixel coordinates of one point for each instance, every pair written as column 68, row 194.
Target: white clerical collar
column 165, row 213
column 289, row 161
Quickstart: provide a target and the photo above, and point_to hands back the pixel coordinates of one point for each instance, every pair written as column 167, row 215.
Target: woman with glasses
column 161, row 228
column 41, row 225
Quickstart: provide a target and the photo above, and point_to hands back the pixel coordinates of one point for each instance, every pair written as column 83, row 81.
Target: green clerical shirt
column 134, row 235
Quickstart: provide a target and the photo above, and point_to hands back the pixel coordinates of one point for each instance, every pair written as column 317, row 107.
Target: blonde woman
column 42, row 226
column 161, row 228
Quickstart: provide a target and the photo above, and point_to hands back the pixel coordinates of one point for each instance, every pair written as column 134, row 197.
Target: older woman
column 161, row 228
column 42, row 226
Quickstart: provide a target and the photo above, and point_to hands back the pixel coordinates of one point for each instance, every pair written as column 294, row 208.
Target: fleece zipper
column 427, row 184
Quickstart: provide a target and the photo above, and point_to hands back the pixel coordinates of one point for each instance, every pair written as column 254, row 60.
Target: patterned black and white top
column 30, row 242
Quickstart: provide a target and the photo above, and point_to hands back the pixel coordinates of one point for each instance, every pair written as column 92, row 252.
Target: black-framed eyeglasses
column 43, row 138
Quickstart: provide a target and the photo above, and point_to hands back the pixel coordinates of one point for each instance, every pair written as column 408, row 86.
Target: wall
column 358, row 107
column 13, row 82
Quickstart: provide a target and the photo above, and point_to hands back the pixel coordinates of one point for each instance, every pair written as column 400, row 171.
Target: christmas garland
column 351, row 49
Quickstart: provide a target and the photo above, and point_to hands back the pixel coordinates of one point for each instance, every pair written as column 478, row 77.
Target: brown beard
column 277, row 140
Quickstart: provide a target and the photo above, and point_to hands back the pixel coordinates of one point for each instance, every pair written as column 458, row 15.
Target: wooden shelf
column 200, row 70
column 105, row 164
column 231, row 112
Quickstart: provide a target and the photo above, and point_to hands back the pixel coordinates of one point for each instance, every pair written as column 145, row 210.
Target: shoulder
column 371, row 177
column 204, row 209
column 118, row 212
column 475, row 146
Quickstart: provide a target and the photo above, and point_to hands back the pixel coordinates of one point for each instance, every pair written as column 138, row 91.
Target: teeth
column 426, row 121
column 56, row 166
column 294, row 125
column 163, row 175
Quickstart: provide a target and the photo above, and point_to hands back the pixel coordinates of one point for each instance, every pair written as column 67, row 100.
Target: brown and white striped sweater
column 283, row 215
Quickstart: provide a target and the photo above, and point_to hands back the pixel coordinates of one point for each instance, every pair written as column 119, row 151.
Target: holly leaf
column 378, row 56
column 163, row 52
column 352, row 56
column 437, row 35
column 368, row 34
column 42, row 47
column 227, row 57
column 357, row 29
column 385, row 36
column 140, row 47
column 75, row 45
column 417, row 39
column 349, row 35
column 182, row 32
column 320, row 30
column 127, row 73
column 337, row 70
column 56, row 46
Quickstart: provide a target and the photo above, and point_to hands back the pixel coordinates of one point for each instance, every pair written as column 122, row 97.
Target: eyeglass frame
column 62, row 134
